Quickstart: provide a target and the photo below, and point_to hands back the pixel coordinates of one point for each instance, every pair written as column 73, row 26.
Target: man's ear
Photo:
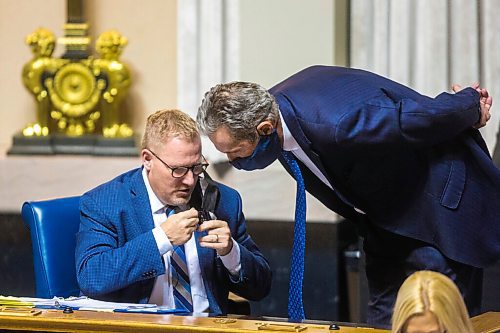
column 265, row 128
column 146, row 158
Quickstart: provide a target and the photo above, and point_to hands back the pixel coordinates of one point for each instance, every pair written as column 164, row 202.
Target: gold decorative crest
column 77, row 96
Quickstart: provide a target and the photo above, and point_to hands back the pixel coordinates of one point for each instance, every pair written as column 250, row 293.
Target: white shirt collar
column 156, row 205
column 289, row 142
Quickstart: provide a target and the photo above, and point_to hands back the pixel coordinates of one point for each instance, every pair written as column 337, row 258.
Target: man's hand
column 218, row 238
column 485, row 102
column 180, row 227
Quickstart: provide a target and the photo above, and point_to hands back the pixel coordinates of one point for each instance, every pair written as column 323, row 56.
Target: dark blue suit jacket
column 412, row 163
column 117, row 258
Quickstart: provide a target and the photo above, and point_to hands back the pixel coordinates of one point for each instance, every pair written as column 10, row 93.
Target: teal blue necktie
column 295, row 305
column 180, row 276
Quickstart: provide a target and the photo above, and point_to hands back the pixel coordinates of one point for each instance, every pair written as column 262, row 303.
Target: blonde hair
column 165, row 124
column 431, row 291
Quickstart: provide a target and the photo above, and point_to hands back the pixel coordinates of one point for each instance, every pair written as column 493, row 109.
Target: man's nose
column 189, row 178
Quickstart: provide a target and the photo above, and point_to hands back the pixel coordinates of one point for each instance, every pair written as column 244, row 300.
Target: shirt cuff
column 232, row 260
column 162, row 241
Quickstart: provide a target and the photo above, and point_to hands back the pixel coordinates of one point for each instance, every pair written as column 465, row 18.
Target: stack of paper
column 82, row 303
column 15, row 302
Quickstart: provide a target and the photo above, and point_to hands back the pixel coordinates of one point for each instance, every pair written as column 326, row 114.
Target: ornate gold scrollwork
column 42, row 43
column 74, row 90
column 109, row 46
column 77, row 96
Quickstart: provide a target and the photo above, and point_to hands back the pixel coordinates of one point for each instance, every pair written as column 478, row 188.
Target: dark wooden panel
column 16, row 261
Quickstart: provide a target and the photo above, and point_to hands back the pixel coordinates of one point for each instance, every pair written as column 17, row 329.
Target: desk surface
column 88, row 321
column 488, row 322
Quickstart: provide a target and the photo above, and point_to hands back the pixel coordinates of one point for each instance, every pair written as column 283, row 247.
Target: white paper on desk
column 38, row 301
column 84, row 303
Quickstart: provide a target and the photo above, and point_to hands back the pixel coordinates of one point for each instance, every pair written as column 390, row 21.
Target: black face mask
column 266, row 152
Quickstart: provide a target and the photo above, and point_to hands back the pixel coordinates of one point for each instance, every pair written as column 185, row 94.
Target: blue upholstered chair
column 53, row 225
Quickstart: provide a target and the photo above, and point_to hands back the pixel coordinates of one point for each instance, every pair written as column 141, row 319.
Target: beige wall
column 279, row 38
column 151, row 53
column 17, row 20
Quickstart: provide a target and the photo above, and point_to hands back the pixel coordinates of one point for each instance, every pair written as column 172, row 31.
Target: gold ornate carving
column 77, row 96
column 42, row 43
column 109, row 46
column 74, row 90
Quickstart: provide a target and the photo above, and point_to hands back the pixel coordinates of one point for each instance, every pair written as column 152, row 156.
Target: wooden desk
column 488, row 322
column 87, row 321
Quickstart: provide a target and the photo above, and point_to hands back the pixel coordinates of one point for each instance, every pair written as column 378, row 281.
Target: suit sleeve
column 104, row 263
column 390, row 120
column 255, row 277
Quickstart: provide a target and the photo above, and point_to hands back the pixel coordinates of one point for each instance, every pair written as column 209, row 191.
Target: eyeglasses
column 179, row 172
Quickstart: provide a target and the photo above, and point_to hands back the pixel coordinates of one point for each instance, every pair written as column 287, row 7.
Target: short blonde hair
column 431, row 291
column 165, row 124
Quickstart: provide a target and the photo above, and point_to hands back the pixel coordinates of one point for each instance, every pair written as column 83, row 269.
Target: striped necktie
column 295, row 305
column 180, row 276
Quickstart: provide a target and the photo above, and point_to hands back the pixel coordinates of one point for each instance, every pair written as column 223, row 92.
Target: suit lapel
column 140, row 201
column 206, row 256
column 294, row 124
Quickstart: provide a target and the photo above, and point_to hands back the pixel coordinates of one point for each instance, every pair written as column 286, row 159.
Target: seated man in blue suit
column 412, row 171
column 140, row 240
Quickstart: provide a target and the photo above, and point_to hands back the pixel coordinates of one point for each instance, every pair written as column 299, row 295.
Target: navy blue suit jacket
column 117, row 258
column 412, row 163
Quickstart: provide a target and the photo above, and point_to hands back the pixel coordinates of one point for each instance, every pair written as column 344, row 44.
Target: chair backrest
column 53, row 225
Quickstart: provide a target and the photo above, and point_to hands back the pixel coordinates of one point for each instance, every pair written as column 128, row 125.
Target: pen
column 146, row 306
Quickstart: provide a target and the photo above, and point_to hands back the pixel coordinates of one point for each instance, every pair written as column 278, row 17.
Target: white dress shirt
column 291, row 145
column 162, row 293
